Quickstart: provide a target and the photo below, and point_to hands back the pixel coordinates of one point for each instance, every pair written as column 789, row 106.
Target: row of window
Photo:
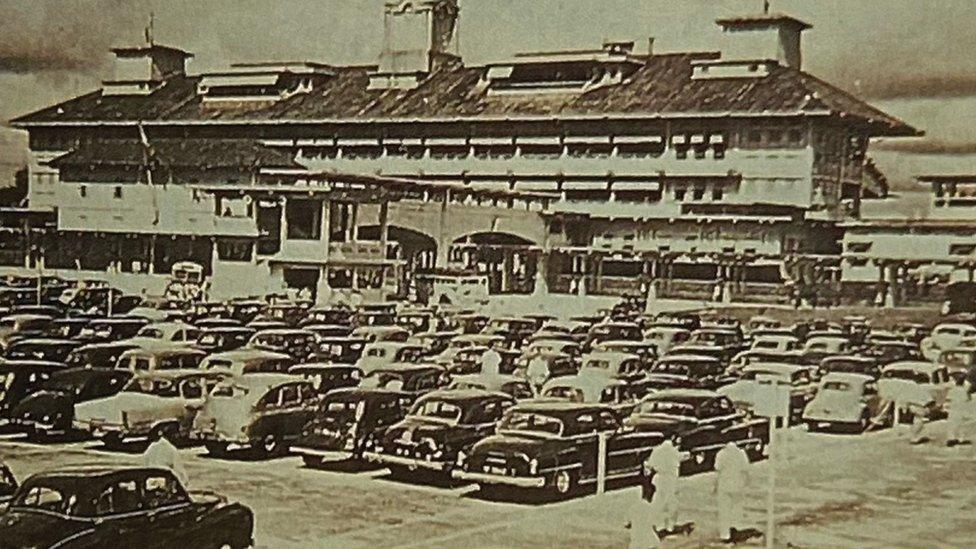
column 963, row 249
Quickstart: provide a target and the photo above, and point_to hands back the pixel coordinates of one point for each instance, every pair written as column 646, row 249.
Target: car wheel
column 312, row 462
column 563, row 482
column 271, row 446
column 216, row 449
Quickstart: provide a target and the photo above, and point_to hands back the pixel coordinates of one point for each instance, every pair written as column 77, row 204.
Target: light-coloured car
column 163, row 401
column 845, row 400
column 591, row 389
column 160, row 357
column 615, row 365
column 382, row 353
column 782, row 343
column 247, row 361
column 946, row 336
column 165, row 333
column 746, row 392
column 666, row 337
column 915, row 384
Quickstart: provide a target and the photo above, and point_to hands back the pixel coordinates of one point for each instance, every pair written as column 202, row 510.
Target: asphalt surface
column 870, row 490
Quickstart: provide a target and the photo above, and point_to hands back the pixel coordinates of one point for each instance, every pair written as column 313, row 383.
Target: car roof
column 248, row 353
column 582, row 381
column 46, row 341
column 405, row 367
column 913, row 365
column 775, row 367
column 689, row 358
column 682, row 394
column 558, row 406
column 615, row 356
column 175, row 374
column 284, row 332
column 464, row 395
column 956, row 325
column 489, row 380
column 26, row 316
column 854, row 379
column 261, row 381
column 163, row 350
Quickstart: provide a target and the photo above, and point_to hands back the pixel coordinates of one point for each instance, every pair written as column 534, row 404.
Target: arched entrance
column 417, row 249
column 510, row 261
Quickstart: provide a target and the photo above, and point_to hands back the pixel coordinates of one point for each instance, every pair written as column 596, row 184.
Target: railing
column 357, row 250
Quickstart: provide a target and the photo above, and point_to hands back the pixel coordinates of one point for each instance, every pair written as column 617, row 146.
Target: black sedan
column 120, row 507
column 438, row 427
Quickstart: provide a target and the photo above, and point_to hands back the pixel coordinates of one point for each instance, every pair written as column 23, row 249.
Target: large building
column 725, row 173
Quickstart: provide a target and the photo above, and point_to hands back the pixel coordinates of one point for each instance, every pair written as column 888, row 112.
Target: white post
column 771, row 495
column 896, row 423
column 601, row 463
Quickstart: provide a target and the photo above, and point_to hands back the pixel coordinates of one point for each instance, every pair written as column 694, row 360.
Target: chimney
column 618, row 47
column 418, row 35
column 142, row 69
column 764, row 37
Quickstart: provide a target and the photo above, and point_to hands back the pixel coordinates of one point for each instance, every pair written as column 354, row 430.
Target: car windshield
column 526, row 422
column 382, row 380
column 230, row 391
column 907, row 375
column 152, row 333
column 675, row 368
column 42, row 497
column 570, row 393
column 209, row 339
column 766, row 344
column 668, row 407
column 842, row 386
column 439, row 410
column 148, row 386
column 598, row 363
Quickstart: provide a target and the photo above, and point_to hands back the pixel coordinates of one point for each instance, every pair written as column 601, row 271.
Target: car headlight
column 533, row 466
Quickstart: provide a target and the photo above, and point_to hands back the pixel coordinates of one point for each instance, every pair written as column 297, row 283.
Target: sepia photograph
column 487, row 274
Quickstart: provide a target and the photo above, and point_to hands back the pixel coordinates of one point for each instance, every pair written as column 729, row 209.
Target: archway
column 417, row 249
column 510, row 261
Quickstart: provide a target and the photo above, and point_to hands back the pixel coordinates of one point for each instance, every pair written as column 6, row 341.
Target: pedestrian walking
column 162, row 454
column 664, row 465
column 731, row 480
column 957, row 406
column 643, row 534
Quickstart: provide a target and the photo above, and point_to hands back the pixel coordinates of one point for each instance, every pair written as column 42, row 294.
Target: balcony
column 363, row 250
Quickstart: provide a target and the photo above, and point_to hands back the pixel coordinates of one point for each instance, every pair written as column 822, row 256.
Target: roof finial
column 150, row 28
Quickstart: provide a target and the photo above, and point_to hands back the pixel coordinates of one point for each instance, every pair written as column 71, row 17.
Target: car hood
column 23, row 529
column 226, row 414
column 419, row 429
column 112, row 407
column 835, row 402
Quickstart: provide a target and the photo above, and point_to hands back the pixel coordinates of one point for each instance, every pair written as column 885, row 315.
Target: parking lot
column 832, row 492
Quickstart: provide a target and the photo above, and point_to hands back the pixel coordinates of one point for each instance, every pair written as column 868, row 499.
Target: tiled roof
column 205, row 153
column 662, row 86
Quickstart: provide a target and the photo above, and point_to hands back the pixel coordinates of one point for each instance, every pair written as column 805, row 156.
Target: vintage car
column 120, row 507
column 218, row 340
column 433, row 342
column 892, row 351
column 760, row 322
column 287, row 312
column 8, row 484
column 470, row 323
column 574, row 330
column 699, row 423
column 164, row 401
column 103, row 330
column 514, row 386
column 418, row 321
column 818, row 347
column 43, row 349
column 20, row 326
column 851, row 364
column 165, row 333
column 685, row 320
column 945, row 336
column 664, row 338
column 688, row 371
column 617, row 365
column 325, row 331
column 515, row 330
column 346, row 419
column 301, row 345
column 781, row 343
column 439, row 426
column 261, row 324
column 746, row 358
column 557, row 364
column 960, row 362
column 914, row 384
column 747, row 394
column 263, row 412
column 378, row 333
column 912, row 332
column 646, row 350
column 169, row 357
column 592, row 389
column 381, row 353
column 374, row 314
column 248, row 361
column 20, row 379
column 701, row 349
column 66, row 328
column 612, row 331
column 336, row 316
column 345, row 350
column 563, row 346
column 730, row 341
column 154, row 314
column 465, row 341
column 413, row 380
column 51, row 409
column 468, row 361
column 846, row 400
column 546, row 445
column 328, row 376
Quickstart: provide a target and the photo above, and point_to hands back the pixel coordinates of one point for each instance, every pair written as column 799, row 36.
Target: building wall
column 863, row 247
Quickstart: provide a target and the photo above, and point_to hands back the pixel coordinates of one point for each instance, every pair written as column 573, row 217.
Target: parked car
column 263, row 412
column 66, row 328
column 845, row 400
column 665, row 338
column 553, row 446
column 121, row 507
column 382, row 332
column 515, row 330
column 8, row 483
column 20, row 326
column 780, row 343
column 326, row 376
column 338, row 316
column 699, row 423
column 164, row 401
column 438, row 427
column 21, row 378
column 161, row 357
column 346, row 419
column 945, row 336
column 97, row 355
column 50, row 410
column 747, row 394
column 916, row 385
column 248, row 361
column 892, row 351
column 514, row 386
column 301, row 345
column 612, row 331
column 851, row 364
column 563, row 346
column 345, row 350
column 218, row 340
column 115, row 328
column 468, row 361
column 381, row 353
column 617, row 365
column 592, row 389
column 44, row 349
column 413, row 380
column 729, row 340
column 166, row 333
column 688, row 371
column 818, row 348
column 433, row 342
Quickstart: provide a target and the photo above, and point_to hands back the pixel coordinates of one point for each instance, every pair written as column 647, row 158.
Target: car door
column 168, row 511
column 587, row 443
column 266, row 414
column 626, row 449
column 304, row 411
column 120, row 514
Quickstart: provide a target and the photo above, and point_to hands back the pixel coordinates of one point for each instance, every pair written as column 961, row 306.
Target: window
column 699, row 193
column 679, row 194
column 140, row 364
column 83, row 190
column 122, row 497
column 304, row 218
column 289, row 395
column 192, row 388
column 717, row 193
column 859, row 247
column 118, row 191
column 269, row 400
column 161, row 491
column 962, row 249
column 232, row 249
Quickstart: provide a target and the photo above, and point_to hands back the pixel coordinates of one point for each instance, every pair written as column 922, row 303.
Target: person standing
column 664, row 464
column 537, row 370
column 643, row 534
column 731, row 479
column 491, row 362
column 162, row 454
column 957, row 407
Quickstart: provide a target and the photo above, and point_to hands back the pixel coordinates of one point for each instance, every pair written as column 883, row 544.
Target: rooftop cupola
column 140, row 70
column 418, row 35
column 764, row 37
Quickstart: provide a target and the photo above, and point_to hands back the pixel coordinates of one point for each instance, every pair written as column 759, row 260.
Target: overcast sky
column 916, row 63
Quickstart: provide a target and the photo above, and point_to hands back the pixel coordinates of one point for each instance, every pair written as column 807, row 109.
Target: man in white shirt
column 731, row 479
column 491, row 362
column 665, row 462
column 162, row 454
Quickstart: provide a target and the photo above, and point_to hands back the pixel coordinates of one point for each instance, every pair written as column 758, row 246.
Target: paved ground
column 872, row 490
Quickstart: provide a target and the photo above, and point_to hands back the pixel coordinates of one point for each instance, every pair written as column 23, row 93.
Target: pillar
column 354, row 222
column 384, row 222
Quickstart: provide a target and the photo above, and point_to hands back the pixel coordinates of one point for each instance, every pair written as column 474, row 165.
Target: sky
column 914, row 63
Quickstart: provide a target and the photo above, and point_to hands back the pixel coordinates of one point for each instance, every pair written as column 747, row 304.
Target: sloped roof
column 662, row 86
column 199, row 153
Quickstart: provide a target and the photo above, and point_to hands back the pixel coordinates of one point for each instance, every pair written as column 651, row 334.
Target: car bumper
column 404, row 461
column 39, row 426
column 489, row 478
column 212, row 436
column 327, row 455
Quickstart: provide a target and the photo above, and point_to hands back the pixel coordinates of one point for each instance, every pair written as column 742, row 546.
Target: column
column 354, row 222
